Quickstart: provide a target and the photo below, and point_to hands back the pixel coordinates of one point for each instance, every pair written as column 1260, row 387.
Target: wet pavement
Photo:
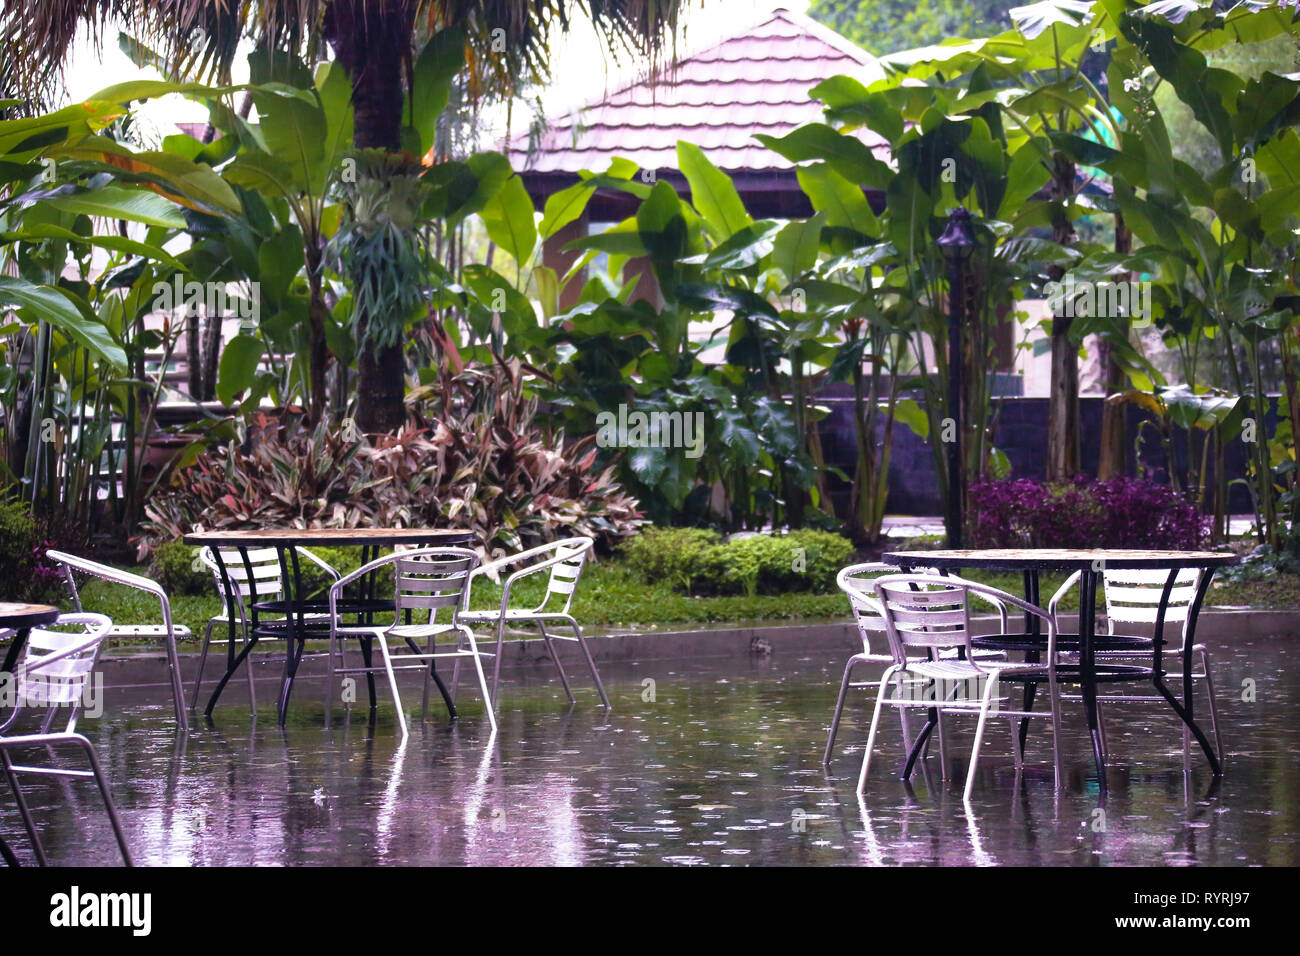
column 699, row 763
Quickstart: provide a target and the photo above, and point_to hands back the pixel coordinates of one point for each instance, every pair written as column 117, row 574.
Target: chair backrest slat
column 427, row 579
column 47, row 679
column 922, row 611
column 856, row 583
column 1133, row 596
column 564, row 575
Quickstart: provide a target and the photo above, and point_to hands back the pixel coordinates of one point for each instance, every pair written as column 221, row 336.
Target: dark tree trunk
column 1063, row 398
column 1111, row 459
column 372, row 40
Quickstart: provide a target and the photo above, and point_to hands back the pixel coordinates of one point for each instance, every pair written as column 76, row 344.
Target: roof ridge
column 662, row 77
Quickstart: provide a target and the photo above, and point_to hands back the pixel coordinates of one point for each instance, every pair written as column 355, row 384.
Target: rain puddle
column 699, row 763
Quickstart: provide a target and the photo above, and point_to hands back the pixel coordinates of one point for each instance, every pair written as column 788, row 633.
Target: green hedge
column 698, row 561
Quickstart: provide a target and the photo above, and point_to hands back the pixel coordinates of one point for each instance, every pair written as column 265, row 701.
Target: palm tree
column 372, row 39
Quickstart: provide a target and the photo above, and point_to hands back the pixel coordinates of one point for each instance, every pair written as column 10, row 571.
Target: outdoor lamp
column 957, row 243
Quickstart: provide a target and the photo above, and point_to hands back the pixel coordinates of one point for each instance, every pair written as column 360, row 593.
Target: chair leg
column 203, row 659
column 496, row 659
column 943, row 743
column 178, row 687
column 89, row 751
column 591, row 664
column 875, row 722
column 489, row 702
column 392, row 684
column 1016, row 752
column 1214, row 710
column 550, row 647
column 1101, row 732
column 979, row 738
column 839, row 709
column 1054, row 699
column 23, row 810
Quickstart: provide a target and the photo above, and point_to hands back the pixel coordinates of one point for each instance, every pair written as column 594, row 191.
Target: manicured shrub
column 670, row 554
column 1117, row 512
column 699, row 562
column 176, row 567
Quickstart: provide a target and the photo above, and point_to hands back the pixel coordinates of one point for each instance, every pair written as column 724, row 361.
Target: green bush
column 699, row 562
column 26, row 575
column 177, row 568
column 669, row 554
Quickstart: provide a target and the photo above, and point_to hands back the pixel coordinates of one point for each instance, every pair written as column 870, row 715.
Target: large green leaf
column 292, row 124
column 843, row 203
column 509, row 219
column 564, row 207
column 335, row 91
column 713, row 194
column 847, row 154
column 58, row 307
column 435, row 68
column 796, row 246
column 238, row 370
column 122, row 202
column 38, row 233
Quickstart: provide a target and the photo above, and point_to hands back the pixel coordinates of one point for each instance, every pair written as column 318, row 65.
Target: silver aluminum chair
column 426, row 580
column 855, row 582
column 265, row 583
column 53, row 674
column 564, row 560
column 169, row 632
column 932, row 615
column 1133, row 597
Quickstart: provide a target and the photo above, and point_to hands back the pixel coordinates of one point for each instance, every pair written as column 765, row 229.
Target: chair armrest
column 566, row 544
column 1064, row 589
column 95, row 569
column 337, row 587
column 319, row 562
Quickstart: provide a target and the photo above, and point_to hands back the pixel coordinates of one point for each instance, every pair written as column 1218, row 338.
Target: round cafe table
column 302, row 619
column 1087, row 672
column 21, row 618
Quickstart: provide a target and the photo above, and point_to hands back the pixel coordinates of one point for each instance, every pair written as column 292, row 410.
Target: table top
column 331, row 536
column 26, row 615
column 1043, row 559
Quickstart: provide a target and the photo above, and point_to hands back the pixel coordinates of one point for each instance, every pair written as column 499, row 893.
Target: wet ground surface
column 697, row 764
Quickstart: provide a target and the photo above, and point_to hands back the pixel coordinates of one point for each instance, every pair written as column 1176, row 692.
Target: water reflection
column 721, row 767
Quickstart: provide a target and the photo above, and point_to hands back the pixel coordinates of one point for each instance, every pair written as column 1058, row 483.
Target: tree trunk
column 372, row 40
column 319, row 357
column 1063, row 398
column 1111, row 460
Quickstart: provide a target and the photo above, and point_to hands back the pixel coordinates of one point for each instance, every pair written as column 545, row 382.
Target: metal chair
column 53, row 674
column 1133, row 597
column 168, row 631
column 426, row 580
column 855, row 582
column 932, row 615
column 565, row 560
column 261, row 579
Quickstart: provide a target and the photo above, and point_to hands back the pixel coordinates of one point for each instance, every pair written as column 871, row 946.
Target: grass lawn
column 611, row 595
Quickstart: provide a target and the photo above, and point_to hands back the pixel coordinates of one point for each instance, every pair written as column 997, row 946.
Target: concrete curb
column 620, row 647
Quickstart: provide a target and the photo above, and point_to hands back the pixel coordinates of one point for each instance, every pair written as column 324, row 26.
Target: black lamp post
column 957, row 243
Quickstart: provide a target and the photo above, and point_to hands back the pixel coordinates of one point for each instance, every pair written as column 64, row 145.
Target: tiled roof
column 718, row 99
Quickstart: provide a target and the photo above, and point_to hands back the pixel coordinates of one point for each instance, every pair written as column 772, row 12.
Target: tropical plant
column 373, row 40
column 472, row 457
